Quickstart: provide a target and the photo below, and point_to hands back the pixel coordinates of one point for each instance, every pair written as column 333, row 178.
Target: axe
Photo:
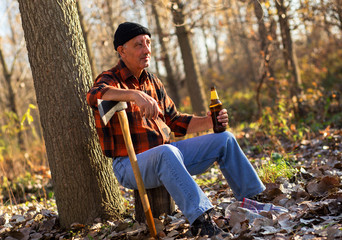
column 107, row 109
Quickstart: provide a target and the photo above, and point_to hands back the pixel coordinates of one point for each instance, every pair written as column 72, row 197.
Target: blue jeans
column 173, row 164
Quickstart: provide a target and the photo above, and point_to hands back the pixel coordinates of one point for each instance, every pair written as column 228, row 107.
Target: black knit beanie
column 126, row 31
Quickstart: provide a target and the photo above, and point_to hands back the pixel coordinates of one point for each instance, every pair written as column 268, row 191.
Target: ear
column 121, row 50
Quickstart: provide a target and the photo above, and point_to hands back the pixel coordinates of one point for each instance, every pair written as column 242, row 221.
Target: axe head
column 108, row 108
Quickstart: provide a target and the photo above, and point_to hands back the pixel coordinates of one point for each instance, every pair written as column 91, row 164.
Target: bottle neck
column 214, row 95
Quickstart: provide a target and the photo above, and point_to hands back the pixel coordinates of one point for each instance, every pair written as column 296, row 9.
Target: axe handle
column 133, row 159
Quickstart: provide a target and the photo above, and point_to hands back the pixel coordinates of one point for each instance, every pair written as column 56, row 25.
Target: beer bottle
column 215, row 108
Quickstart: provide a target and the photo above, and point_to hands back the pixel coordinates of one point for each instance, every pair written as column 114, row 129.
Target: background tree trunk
column 193, row 78
column 245, row 45
column 231, row 43
column 87, row 40
column 7, row 73
column 266, row 70
column 84, row 183
column 171, row 80
column 338, row 8
column 205, row 36
column 217, row 50
column 290, row 57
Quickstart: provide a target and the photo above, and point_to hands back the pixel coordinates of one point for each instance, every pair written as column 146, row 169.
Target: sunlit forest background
column 277, row 66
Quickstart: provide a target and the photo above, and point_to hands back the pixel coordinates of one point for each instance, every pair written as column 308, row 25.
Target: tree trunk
column 338, row 8
column 266, row 70
column 171, row 80
column 193, row 78
column 87, row 40
column 325, row 20
column 160, row 201
column 231, row 44
column 83, row 180
column 218, row 55
column 289, row 55
column 245, row 46
column 209, row 61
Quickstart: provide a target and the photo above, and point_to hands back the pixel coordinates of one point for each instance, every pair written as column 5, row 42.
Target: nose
column 147, row 47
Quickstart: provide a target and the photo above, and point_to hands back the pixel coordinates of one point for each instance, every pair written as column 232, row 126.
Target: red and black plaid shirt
column 145, row 133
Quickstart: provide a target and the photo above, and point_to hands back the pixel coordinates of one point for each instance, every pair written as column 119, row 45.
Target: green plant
column 27, row 117
column 275, row 167
column 276, row 122
column 11, row 128
column 25, row 188
column 281, row 123
column 8, row 133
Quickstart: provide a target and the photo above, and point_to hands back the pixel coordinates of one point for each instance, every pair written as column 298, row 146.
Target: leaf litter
column 313, row 198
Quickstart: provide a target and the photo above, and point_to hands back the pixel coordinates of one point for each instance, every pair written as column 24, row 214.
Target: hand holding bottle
column 219, row 115
column 223, row 117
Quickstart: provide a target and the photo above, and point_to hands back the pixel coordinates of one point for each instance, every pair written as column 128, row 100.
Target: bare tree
column 170, row 78
column 289, row 54
column 338, row 10
column 8, row 74
column 87, row 40
column 218, row 54
column 265, row 39
column 84, row 183
column 193, row 78
column 205, row 36
column 245, row 46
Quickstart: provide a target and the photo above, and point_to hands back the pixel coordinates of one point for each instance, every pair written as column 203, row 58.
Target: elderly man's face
column 136, row 53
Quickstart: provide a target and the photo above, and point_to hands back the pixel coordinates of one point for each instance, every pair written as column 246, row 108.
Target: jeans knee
column 225, row 136
column 170, row 153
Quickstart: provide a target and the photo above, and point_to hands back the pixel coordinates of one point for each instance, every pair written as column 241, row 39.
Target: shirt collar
column 127, row 74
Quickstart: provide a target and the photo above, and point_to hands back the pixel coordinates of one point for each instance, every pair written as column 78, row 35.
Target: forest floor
column 312, row 196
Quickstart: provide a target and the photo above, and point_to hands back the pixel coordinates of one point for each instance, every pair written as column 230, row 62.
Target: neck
column 136, row 72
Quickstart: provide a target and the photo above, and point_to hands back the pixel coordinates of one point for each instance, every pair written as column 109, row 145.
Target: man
column 152, row 116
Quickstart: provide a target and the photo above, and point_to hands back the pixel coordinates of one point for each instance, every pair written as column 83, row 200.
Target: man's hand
column 198, row 124
column 148, row 105
column 223, row 117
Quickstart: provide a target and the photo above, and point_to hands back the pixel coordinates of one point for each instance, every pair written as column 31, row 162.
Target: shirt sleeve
column 102, row 84
column 179, row 123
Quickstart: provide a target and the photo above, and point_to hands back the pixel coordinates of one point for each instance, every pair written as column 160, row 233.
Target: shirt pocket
column 164, row 130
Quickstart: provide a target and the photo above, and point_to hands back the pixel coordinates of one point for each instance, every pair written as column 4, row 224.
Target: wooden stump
column 160, row 202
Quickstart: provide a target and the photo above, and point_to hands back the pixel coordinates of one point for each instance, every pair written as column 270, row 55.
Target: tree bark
column 171, row 80
column 193, row 78
column 84, row 183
